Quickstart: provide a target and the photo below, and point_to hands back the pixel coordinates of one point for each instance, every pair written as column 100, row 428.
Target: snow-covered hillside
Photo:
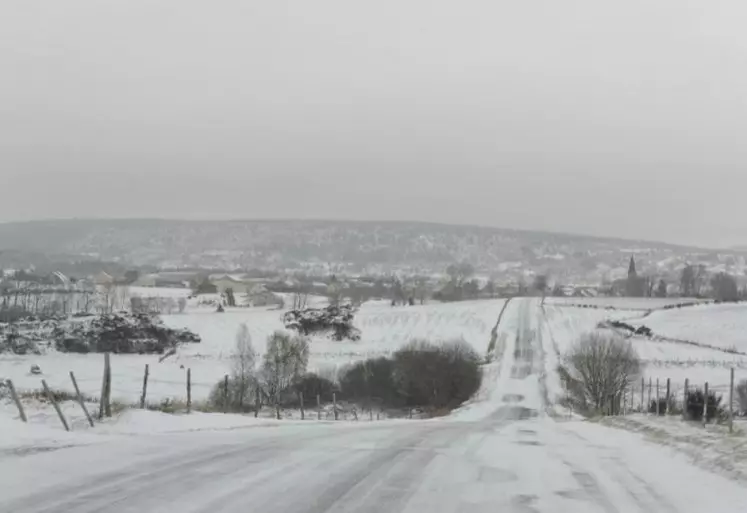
column 723, row 325
column 716, row 325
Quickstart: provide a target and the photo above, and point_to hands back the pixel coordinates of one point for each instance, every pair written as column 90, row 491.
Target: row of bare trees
column 23, row 301
column 264, row 381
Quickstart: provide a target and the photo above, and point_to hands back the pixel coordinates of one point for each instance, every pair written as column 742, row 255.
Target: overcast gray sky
column 590, row 116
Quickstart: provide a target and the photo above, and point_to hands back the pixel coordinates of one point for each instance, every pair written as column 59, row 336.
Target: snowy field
column 718, row 325
column 384, row 330
column 723, row 325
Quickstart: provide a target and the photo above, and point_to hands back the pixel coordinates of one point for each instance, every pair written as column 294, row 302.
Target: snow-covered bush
column 140, row 334
column 14, row 342
column 335, row 320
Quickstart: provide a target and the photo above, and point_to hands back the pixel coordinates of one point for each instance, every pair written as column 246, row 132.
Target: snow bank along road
column 502, row 453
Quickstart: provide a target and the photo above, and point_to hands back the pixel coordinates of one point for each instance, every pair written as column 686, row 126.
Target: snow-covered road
column 501, row 453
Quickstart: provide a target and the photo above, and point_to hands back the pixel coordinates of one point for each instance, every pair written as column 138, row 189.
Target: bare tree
column 661, row 289
column 335, row 291
column 596, row 371
column 169, row 305
column 421, row 289
column 649, row 284
column 489, row 289
column 107, row 298
column 243, row 366
column 122, row 293
column 687, row 281
column 522, row 286
column 724, row 287
column 540, row 284
column 398, row 291
column 87, row 301
column 701, row 276
column 300, row 299
column 460, row 273
column 37, row 301
column 692, row 280
column 284, row 362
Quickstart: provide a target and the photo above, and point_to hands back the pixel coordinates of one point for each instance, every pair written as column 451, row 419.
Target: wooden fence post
column 257, row 402
column 80, row 398
column 102, row 400
column 657, row 398
column 16, row 400
column 189, row 390
column 648, row 405
column 625, row 401
column 705, row 405
column 334, row 403
column 145, row 388
column 684, row 399
column 56, row 406
column 107, row 363
column 319, row 407
column 303, row 414
column 669, row 391
column 225, row 394
column 731, row 401
column 643, row 388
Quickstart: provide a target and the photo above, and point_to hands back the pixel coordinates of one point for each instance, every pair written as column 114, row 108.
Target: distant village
column 28, row 292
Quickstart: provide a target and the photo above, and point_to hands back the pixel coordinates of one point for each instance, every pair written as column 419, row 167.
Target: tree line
column 432, row 376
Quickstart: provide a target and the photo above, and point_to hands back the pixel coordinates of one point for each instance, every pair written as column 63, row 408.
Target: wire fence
column 667, row 397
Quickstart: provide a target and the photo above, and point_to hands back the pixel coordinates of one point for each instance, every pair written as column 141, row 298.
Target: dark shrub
column 239, row 400
column 18, row 344
column 140, row 334
column 644, row 331
column 662, row 406
column 312, row 385
column 13, row 314
column 371, row 381
column 438, row 376
column 742, row 396
column 694, row 405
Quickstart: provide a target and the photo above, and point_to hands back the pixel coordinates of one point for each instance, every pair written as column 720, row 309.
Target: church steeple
column 632, row 273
